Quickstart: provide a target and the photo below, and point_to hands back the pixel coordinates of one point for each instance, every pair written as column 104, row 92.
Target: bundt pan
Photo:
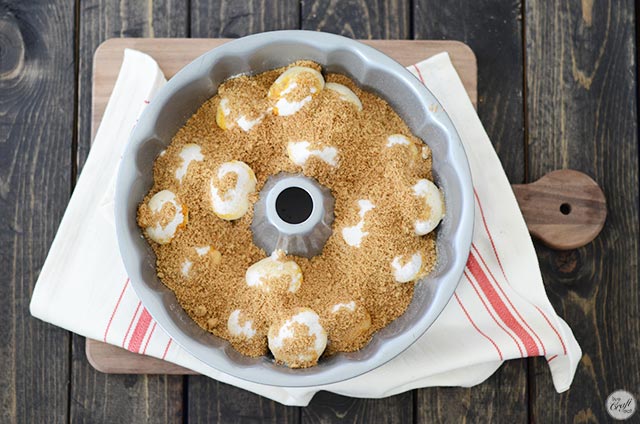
column 373, row 71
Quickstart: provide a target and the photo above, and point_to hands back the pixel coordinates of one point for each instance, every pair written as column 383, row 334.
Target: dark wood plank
column 232, row 19
column 209, row 400
column 358, row 19
column 104, row 19
column 329, row 408
column 97, row 397
column 377, row 19
column 116, row 398
column 36, row 132
column 582, row 114
column 493, row 29
column 500, row 399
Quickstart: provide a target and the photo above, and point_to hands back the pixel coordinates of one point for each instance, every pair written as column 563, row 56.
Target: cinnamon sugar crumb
column 227, row 182
column 216, row 286
column 163, row 217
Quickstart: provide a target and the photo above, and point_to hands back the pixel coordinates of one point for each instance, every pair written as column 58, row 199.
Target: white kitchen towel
column 499, row 311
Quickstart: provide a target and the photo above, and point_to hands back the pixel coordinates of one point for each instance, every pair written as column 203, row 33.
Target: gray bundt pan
column 373, row 71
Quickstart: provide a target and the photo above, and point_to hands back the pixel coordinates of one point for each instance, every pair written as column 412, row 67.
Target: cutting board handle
column 565, row 209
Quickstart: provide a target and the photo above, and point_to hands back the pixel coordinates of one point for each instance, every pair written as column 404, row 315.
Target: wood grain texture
column 500, row 399
column 108, row 398
column 581, row 80
column 565, row 209
column 36, row 129
column 233, row 19
column 582, row 113
column 330, row 408
column 211, row 401
column 364, row 19
column 98, row 397
column 103, row 19
column 493, row 29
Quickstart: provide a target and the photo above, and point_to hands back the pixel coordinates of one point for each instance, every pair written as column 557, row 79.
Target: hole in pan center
column 294, row 205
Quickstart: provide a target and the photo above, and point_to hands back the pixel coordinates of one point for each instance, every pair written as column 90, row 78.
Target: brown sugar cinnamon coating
column 360, row 149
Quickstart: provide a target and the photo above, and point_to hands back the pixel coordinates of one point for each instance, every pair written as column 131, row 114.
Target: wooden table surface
column 557, row 87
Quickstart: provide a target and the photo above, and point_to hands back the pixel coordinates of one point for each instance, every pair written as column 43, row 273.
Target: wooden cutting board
column 565, row 209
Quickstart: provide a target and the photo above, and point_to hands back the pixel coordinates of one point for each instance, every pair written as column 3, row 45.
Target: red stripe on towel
column 544, row 350
column 131, row 323
column 166, row 349
column 552, row 358
column 476, row 327
column 486, row 228
column 500, row 307
column 495, row 252
column 564, row 348
column 149, row 338
column 126, row 283
column 141, row 329
column 419, row 73
column 492, row 316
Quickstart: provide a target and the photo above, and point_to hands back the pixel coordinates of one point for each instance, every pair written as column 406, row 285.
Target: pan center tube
column 294, row 213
